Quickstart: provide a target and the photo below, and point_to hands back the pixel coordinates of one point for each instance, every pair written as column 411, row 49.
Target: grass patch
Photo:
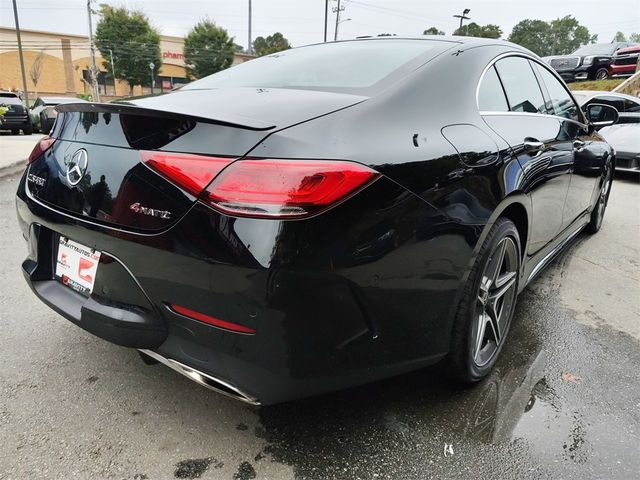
column 605, row 85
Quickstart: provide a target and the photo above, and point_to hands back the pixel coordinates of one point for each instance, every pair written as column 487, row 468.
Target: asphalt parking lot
column 563, row 401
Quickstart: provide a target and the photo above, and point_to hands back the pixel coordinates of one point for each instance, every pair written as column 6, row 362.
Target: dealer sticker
column 76, row 265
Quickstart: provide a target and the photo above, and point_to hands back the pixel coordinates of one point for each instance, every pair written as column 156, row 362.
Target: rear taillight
column 262, row 188
column 268, row 188
column 190, row 172
column 42, row 146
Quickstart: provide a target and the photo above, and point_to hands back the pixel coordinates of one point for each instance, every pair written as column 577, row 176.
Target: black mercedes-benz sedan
column 318, row 218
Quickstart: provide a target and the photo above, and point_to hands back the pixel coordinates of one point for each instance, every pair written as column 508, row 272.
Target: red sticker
column 83, row 267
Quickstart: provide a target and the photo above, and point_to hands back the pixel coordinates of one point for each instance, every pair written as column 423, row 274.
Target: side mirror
column 600, row 115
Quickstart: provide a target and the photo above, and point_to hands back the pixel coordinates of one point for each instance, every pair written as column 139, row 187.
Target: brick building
column 64, row 61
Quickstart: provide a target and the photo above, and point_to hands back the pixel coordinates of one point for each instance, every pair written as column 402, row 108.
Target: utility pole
column 93, row 68
column 153, row 78
column 326, row 16
column 463, row 17
column 250, row 47
column 113, row 71
column 337, row 11
column 24, row 75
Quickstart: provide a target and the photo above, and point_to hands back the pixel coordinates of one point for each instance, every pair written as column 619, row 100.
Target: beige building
column 64, row 65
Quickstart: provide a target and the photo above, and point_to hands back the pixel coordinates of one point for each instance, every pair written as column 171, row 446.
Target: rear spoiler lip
column 132, row 109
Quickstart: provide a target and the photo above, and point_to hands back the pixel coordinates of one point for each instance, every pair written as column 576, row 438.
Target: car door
column 536, row 141
column 587, row 148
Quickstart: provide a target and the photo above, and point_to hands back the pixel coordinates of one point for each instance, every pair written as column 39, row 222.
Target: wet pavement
column 562, row 402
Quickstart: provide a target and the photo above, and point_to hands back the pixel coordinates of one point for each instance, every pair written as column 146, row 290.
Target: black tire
column 147, row 359
column 601, row 74
column 597, row 214
column 28, row 130
column 466, row 361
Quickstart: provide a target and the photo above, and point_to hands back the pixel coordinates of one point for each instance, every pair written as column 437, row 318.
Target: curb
column 12, row 169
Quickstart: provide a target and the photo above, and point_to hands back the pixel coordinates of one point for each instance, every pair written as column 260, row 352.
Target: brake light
column 190, row 172
column 216, row 322
column 42, row 146
column 269, row 188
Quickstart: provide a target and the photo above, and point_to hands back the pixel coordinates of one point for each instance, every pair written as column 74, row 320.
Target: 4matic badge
column 36, row 180
column 152, row 212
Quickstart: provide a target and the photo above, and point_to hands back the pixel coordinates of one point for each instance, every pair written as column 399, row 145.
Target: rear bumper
column 327, row 315
column 628, row 161
column 9, row 122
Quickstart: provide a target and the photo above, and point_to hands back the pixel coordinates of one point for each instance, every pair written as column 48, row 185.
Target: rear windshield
column 59, row 100
column 9, row 99
column 343, row 65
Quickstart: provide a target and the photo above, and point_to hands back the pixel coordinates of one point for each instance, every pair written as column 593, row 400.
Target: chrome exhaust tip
column 204, row 379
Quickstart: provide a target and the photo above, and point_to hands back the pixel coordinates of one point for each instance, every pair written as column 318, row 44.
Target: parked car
column 625, row 139
column 624, row 62
column 17, row 117
column 589, row 62
column 43, row 113
column 319, row 218
column 628, row 106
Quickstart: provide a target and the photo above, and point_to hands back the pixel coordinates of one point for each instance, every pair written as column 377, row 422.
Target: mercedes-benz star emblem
column 77, row 167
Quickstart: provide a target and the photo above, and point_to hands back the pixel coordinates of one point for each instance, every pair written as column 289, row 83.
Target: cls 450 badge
column 152, row 212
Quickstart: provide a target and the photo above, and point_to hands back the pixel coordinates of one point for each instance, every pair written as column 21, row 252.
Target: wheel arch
column 517, row 208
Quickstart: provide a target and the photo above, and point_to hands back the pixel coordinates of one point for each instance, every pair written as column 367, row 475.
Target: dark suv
column 589, row 62
column 17, row 116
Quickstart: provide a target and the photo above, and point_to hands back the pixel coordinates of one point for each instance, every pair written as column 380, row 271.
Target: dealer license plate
column 76, row 265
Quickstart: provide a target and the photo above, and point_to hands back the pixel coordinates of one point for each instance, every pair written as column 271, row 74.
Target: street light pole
column 463, row 17
column 250, row 47
column 94, row 69
column 24, row 75
column 326, row 17
column 153, row 80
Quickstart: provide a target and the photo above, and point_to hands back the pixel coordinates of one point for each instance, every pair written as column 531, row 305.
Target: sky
column 302, row 21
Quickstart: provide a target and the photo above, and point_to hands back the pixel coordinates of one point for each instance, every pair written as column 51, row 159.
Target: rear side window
column 561, row 103
column 353, row 64
column 490, row 94
column 631, row 106
column 520, row 84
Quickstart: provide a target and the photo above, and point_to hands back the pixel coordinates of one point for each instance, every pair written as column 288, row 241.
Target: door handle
column 578, row 145
column 533, row 145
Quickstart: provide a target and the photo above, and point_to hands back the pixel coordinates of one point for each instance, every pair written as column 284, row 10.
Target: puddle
column 523, row 421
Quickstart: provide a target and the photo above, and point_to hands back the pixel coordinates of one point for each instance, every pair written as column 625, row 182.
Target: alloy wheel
column 496, row 300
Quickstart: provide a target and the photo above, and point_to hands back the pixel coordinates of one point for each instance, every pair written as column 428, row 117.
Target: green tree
column 133, row 42
column 207, row 49
column 558, row 37
column 475, row 30
column 620, row 37
column 532, row 34
column 566, row 35
column 272, row 44
column 634, row 37
column 433, row 31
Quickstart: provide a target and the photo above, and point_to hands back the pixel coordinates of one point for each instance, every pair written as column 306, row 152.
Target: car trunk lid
column 96, row 171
